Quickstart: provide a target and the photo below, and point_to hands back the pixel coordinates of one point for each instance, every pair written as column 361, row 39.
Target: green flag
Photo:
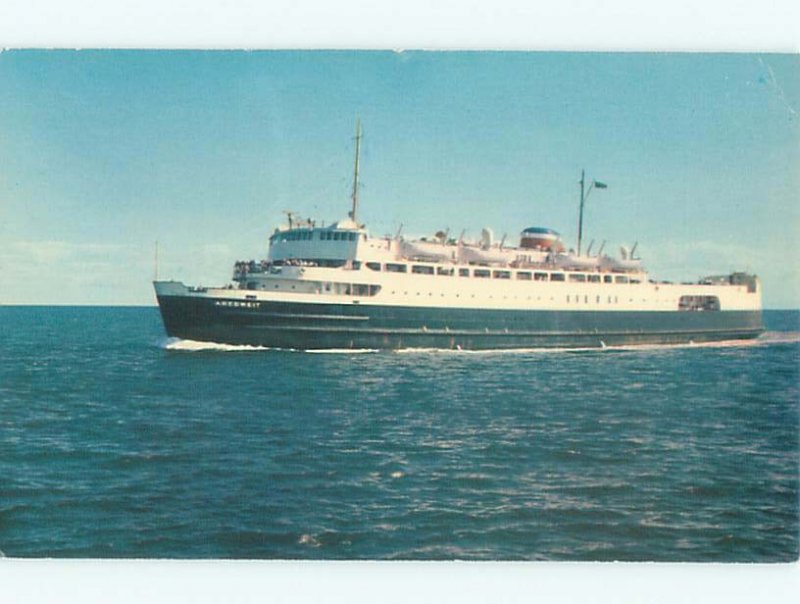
column 600, row 185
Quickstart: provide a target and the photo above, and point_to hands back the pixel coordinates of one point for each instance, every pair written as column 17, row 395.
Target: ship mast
column 595, row 184
column 580, row 213
column 355, row 171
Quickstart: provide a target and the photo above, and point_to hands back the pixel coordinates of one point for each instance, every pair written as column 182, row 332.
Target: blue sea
column 116, row 442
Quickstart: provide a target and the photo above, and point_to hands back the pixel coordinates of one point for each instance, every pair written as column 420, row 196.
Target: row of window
column 698, row 303
column 309, row 235
column 577, row 299
column 344, row 289
column 611, row 299
column 337, row 236
column 485, row 273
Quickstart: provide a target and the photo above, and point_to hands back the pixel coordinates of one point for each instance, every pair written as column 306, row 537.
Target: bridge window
column 421, row 269
column 481, row 273
column 374, row 266
column 593, row 278
column 463, row 272
column 577, row 278
column 556, row 276
column 620, row 279
column 502, row 274
column 446, row 271
column 607, row 279
column 540, row 276
column 523, row 275
column 396, row 268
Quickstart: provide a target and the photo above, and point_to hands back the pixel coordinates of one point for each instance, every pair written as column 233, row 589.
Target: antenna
column 355, row 171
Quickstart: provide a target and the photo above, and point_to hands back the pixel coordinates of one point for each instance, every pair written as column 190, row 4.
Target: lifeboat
column 628, row 264
column 428, row 250
column 492, row 255
column 578, row 262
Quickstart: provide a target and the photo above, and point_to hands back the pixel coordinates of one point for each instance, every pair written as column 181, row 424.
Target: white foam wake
column 484, row 351
column 767, row 339
column 195, row 346
column 779, row 337
column 341, row 350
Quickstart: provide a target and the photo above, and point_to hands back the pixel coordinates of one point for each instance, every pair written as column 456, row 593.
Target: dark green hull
column 326, row 326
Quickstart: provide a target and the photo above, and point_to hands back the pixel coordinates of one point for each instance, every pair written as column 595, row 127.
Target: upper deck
column 345, row 242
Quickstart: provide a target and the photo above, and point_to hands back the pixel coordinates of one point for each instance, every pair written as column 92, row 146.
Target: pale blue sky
column 104, row 152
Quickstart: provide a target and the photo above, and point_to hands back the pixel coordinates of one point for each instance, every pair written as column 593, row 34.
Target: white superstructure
column 343, row 263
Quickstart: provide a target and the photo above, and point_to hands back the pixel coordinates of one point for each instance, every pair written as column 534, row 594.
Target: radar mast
column 355, row 172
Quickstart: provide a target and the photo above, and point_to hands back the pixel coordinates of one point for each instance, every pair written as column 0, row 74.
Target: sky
column 103, row 153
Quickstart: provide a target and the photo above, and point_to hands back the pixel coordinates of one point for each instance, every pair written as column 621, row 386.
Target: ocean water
column 115, row 442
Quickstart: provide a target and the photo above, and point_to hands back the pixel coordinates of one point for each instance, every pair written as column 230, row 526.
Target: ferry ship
column 338, row 287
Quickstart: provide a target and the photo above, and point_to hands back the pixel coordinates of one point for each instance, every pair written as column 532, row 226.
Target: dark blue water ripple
column 112, row 446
